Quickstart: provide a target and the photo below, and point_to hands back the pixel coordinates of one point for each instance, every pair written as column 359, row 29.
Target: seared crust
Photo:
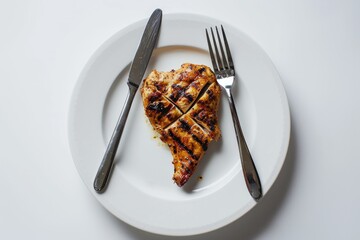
column 188, row 143
column 160, row 111
column 182, row 106
column 204, row 111
column 187, row 84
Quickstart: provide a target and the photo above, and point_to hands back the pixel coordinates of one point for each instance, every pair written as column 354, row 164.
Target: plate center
column 145, row 162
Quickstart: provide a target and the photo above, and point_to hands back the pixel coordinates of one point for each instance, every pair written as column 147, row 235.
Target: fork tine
column 231, row 64
column 217, row 51
column 211, row 52
column 222, row 49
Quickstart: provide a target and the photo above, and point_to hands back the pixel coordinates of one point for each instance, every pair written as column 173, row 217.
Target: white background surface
column 315, row 45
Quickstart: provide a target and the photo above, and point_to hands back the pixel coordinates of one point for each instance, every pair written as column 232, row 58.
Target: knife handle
column 103, row 174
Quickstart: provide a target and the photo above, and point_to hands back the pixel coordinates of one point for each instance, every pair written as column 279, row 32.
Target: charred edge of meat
column 212, row 124
column 174, row 149
column 201, row 70
column 190, row 162
column 183, row 179
column 182, row 145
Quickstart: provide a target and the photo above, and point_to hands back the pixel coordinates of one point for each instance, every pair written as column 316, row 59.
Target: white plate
column 141, row 191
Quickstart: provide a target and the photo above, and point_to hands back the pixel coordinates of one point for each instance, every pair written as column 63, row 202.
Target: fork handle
column 249, row 170
column 103, row 175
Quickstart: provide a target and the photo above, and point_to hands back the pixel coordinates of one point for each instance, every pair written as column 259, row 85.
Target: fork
column 225, row 73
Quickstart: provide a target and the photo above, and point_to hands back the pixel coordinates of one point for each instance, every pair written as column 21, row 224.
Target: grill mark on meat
column 171, row 117
column 201, row 70
column 159, row 107
column 159, row 86
column 204, row 145
column 164, row 112
column 184, row 125
column 202, row 92
column 203, row 116
column 194, row 84
column 178, row 92
column 188, row 97
column 200, row 125
column 182, row 145
column 173, row 103
column 211, row 94
column 212, row 123
column 154, row 96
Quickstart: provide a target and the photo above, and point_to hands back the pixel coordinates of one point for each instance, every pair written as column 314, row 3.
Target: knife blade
column 147, row 44
column 137, row 70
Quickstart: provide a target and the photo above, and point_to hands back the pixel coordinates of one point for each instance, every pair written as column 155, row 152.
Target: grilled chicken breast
column 182, row 107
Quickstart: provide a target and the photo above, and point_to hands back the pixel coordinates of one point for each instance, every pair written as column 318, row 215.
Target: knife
column 137, row 71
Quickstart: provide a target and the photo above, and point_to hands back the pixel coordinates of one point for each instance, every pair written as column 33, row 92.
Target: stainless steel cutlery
column 225, row 73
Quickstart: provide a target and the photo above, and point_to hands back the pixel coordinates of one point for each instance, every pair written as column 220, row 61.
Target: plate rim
column 236, row 215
